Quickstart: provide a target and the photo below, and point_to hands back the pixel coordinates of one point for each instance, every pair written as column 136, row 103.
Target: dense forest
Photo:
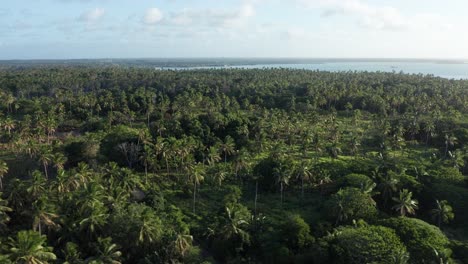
column 114, row 165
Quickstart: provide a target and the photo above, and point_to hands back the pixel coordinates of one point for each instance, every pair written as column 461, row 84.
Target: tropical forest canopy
column 114, row 165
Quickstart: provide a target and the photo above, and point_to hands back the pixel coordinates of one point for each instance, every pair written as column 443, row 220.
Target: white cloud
column 215, row 18
column 375, row 17
column 92, row 16
column 152, row 16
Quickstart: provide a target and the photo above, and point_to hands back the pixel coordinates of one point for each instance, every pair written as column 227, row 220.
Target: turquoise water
column 445, row 70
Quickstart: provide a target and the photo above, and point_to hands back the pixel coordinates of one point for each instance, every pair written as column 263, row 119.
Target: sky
column 71, row 29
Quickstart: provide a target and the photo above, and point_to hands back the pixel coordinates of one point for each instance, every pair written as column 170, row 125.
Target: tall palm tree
column 43, row 214
column 3, row 172
column 227, row 147
column 197, row 175
column 405, row 204
column 236, row 225
column 241, row 162
column 282, row 178
column 449, row 141
column 303, row 172
column 45, row 157
column 443, row 212
column 212, row 156
column 150, row 228
column 29, row 248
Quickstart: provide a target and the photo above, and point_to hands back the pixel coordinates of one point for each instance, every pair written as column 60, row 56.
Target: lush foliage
column 131, row 165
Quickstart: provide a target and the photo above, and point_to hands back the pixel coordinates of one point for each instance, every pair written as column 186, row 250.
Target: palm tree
column 8, row 125
column 4, row 209
column 443, row 212
column 182, row 244
column 303, row 172
column 387, row 187
column 219, row 176
column 45, row 158
column 405, row 203
column 107, row 252
column 94, row 217
column 58, row 161
column 197, row 175
column 29, row 248
column 161, row 148
column 212, row 156
column 227, row 147
column 150, row 228
column 37, row 185
column 449, row 141
column 71, row 254
column 429, row 129
column 282, row 178
column 43, row 214
column 3, row 172
column 241, row 161
column 235, row 226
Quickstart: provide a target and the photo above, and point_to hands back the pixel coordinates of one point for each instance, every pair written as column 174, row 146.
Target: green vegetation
column 114, row 165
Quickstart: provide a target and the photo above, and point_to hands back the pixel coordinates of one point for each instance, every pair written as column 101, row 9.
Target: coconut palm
column 228, row 147
column 29, row 247
column 58, row 160
column 443, row 212
column 235, row 226
column 107, row 252
column 303, row 172
column 4, row 209
column 72, row 254
column 282, row 178
column 449, row 141
column 212, row 156
column 43, row 215
column 405, row 204
column 197, row 175
column 388, row 186
column 241, row 161
column 182, row 244
column 8, row 125
column 150, row 227
column 45, row 157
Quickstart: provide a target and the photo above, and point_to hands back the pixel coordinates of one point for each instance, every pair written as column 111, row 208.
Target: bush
column 350, row 203
column 356, row 180
column 420, row 238
column 446, row 175
column 109, row 145
column 366, row 244
column 296, row 233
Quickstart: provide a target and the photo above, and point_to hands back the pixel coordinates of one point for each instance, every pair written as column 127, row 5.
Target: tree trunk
column 281, row 193
column 256, row 196
column 194, row 195
column 45, row 170
column 167, row 165
column 146, row 172
column 302, row 188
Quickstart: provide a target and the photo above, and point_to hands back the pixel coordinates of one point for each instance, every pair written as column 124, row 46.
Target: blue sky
column 62, row 29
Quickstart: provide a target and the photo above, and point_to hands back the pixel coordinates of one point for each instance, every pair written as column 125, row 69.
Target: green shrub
column 350, row 203
column 366, row 244
column 420, row 238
